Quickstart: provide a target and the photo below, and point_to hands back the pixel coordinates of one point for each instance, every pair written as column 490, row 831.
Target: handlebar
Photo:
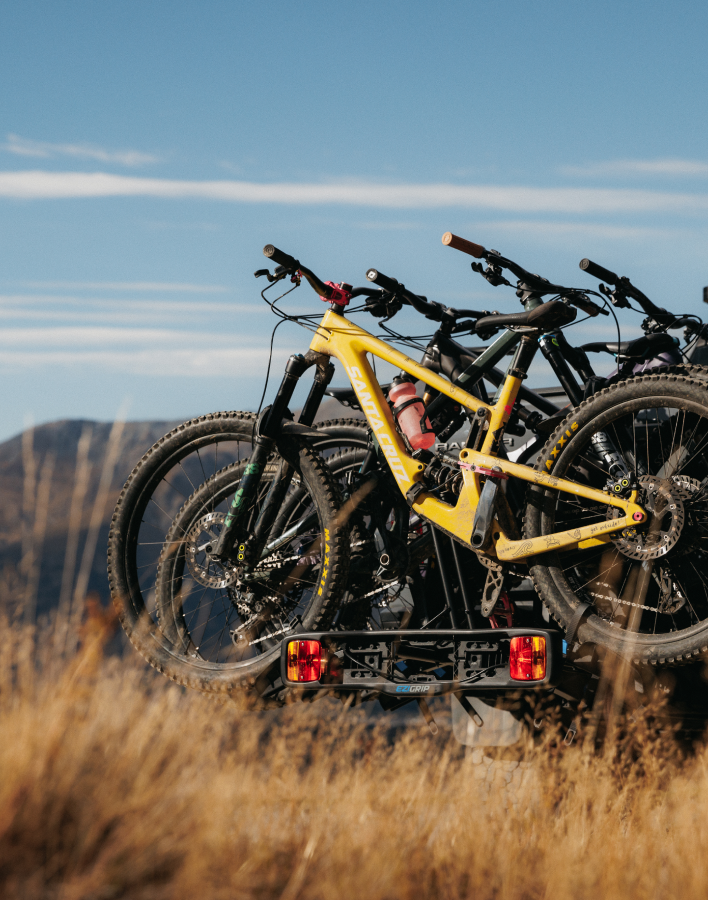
column 531, row 281
column 450, row 317
column 527, row 280
column 625, row 287
column 430, row 310
column 294, row 265
column 383, row 281
column 587, row 305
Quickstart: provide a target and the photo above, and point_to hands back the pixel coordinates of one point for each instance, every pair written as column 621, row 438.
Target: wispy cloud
column 107, row 337
column 637, row 167
column 128, row 286
column 389, row 226
column 181, row 226
column 579, row 229
column 137, row 351
column 176, row 362
column 64, row 308
column 64, row 185
column 44, row 150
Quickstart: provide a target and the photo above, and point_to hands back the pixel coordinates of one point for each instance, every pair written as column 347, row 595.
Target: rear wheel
column 647, row 587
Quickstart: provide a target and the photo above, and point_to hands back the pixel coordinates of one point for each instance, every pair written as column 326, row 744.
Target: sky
column 149, row 150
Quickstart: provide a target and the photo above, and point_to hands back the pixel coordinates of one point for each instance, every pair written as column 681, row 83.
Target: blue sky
column 148, row 151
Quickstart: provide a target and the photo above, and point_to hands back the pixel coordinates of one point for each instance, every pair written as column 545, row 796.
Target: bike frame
column 337, row 337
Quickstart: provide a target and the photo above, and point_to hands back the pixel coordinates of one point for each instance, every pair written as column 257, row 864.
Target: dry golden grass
column 116, row 783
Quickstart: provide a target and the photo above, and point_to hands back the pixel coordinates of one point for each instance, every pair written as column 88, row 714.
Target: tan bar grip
column 458, row 243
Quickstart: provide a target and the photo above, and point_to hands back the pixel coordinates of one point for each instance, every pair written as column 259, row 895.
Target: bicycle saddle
column 548, row 315
column 643, row 347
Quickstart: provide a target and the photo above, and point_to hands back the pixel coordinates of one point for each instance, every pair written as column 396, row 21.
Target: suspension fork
column 268, row 429
column 279, row 487
column 559, row 353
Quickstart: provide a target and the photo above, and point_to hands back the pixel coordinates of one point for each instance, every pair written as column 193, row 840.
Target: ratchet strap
column 575, row 621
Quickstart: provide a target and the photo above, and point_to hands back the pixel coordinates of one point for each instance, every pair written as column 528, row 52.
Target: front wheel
column 206, row 626
column 647, row 586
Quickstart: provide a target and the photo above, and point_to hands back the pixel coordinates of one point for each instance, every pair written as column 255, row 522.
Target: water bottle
column 408, row 410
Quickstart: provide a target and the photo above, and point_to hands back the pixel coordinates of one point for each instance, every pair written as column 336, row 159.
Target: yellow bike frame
column 337, row 337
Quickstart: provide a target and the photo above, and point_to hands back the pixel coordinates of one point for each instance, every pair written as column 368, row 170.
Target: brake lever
column 387, row 306
column 492, row 273
column 617, row 297
column 279, row 275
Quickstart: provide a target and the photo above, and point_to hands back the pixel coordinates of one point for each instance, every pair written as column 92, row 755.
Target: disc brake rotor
column 663, row 500
column 199, row 543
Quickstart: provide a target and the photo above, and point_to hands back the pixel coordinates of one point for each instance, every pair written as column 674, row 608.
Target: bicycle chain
column 620, row 600
column 631, row 603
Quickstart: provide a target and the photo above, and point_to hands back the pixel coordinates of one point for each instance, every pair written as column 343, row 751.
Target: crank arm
column 484, row 515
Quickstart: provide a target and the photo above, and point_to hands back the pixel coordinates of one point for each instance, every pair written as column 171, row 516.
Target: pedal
column 493, row 587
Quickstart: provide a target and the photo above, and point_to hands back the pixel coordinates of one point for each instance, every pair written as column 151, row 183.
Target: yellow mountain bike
column 614, row 531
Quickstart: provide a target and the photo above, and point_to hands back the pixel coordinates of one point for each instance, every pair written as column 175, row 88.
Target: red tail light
column 527, row 658
column 307, row 661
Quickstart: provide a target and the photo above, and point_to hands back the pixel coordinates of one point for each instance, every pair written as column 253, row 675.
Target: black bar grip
column 280, row 258
column 599, row 272
column 388, row 284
